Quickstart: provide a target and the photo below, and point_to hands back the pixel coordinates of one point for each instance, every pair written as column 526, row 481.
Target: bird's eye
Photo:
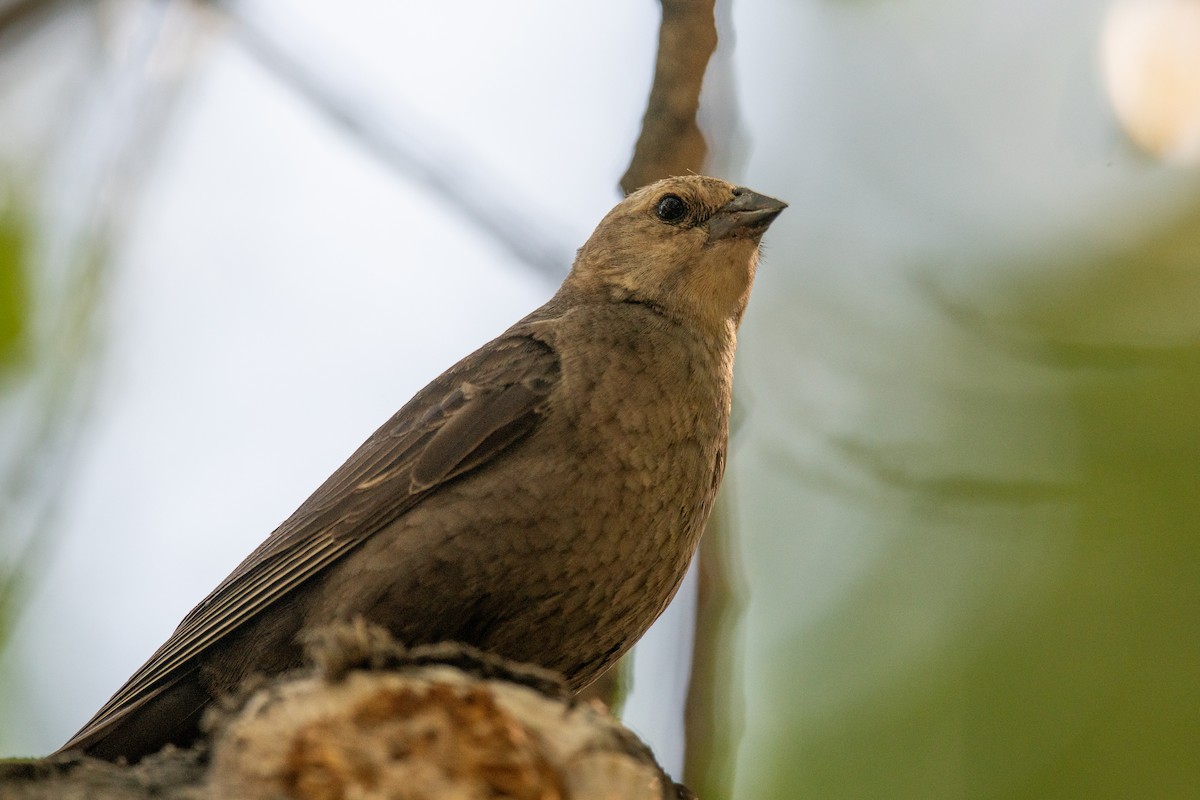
column 671, row 208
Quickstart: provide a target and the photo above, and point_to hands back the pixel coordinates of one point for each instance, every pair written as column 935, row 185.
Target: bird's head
column 686, row 246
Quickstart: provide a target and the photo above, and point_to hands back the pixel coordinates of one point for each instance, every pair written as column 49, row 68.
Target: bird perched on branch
column 540, row 500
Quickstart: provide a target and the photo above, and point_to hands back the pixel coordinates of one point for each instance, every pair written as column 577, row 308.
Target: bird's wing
column 462, row 420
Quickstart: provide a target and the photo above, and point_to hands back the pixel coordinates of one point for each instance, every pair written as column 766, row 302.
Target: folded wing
column 466, row 418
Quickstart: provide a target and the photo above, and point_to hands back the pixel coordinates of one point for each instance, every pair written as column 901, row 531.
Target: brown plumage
column 541, row 499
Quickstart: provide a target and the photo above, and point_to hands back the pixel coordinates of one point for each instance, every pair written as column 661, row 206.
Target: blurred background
column 957, row 551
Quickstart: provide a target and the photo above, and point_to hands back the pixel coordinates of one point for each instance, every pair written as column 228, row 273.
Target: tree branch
column 671, row 142
column 372, row 718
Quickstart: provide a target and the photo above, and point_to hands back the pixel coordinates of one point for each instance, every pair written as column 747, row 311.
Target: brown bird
column 541, row 499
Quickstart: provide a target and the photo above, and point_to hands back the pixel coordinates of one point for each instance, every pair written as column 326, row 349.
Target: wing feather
column 465, row 418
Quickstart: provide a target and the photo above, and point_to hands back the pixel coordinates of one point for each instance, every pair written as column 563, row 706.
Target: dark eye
column 671, row 208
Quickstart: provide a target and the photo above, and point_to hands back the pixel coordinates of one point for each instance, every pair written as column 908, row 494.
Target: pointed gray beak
column 747, row 215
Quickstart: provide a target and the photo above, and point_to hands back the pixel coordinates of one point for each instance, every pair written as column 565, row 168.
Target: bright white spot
column 1151, row 59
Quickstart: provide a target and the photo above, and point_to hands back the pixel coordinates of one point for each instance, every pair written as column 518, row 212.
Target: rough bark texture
column 372, row 719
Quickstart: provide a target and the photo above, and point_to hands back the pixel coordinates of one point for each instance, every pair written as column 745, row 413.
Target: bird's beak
column 746, row 216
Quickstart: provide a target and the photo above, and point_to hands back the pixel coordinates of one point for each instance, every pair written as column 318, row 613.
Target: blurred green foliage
column 14, row 285
column 1004, row 556
column 15, row 315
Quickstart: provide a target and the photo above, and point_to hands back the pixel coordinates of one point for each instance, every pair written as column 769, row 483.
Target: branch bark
column 670, row 142
column 372, row 718
column 712, row 720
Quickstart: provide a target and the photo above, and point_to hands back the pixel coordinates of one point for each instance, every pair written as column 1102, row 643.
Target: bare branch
column 372, row 718
column 17, row 13
column 671, row 142
column 711, row 720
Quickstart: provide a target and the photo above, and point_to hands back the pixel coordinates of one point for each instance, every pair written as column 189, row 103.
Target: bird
column 540, row 500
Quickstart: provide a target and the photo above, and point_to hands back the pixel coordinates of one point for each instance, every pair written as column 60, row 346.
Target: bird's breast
column 645, row 420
